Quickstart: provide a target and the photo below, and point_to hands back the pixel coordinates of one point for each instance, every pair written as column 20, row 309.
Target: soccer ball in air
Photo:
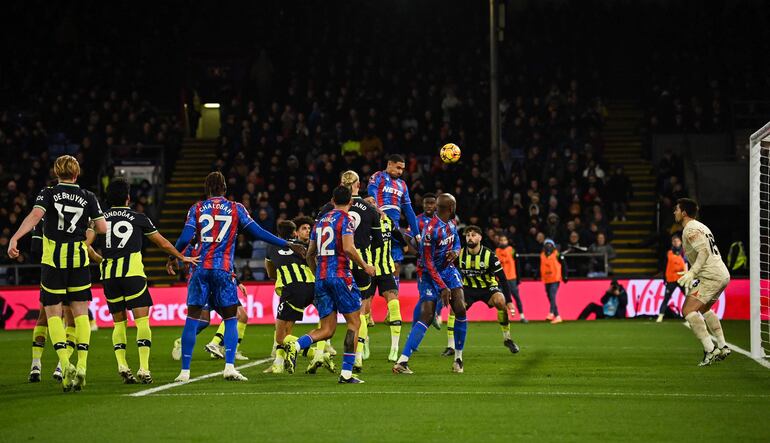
column 450, row 153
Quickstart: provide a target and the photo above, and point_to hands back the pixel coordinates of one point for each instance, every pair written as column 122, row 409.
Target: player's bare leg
column 692, row 310
column 497, row 301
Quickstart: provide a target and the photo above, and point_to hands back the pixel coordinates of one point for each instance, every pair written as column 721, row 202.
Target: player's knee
column 119, row 316
column 241, row 315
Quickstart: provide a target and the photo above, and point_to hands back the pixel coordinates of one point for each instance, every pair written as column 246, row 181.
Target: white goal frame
column 758, row 142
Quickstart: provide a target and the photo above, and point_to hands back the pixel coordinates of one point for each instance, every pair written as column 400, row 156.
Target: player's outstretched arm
column 161, row 242
column 29, row 223
column 411, row 217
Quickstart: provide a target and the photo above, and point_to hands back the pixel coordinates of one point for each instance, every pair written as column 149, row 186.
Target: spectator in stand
column 600, row 246
column 675, row 264
column 619, row 193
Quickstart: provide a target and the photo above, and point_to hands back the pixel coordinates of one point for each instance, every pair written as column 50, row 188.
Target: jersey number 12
column 323, row 243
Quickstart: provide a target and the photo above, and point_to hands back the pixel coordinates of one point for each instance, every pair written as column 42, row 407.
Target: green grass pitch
column 588, row 381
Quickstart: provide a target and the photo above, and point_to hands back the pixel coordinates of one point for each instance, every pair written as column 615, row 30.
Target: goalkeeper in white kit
column 703, row 282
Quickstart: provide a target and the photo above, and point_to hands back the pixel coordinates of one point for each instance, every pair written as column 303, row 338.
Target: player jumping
column 330, row 251
column 214, row 223
column 704, row 281
column 438, row 277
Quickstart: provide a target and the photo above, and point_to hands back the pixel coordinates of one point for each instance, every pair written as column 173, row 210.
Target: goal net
column 759, row 240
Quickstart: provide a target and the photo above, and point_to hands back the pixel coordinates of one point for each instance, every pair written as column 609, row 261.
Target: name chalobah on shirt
column 120, row 213
column 227, row 208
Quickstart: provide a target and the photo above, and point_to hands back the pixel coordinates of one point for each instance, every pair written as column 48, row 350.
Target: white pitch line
column 160, row 388
column 486, row 393
column 738, row 349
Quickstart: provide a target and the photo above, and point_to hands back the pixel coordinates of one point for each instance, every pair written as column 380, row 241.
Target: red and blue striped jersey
column 389, row 193
column 327, row 233
column 438, row 238
column 216, row 222
column 422, row 221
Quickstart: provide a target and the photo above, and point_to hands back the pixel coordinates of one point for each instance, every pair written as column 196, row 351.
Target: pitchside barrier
column 19, row 307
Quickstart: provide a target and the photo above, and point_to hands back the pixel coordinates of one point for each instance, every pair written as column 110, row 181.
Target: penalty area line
column 175, row 384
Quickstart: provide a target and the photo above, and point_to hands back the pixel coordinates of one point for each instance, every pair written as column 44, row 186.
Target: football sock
column 394, row 317
column 459, row 354
column 280, row 355
column 219, row 336
column 189, row 333
column 363, row 332
column 231, row 339
column 143, row 341
column 202, row 324
column 83, row 334
column 347, row 365
column 450, row 331
column 119, row 342
column 712, row 321
column 303, row 342
column 241, row 332
column 461, row 329
column 416, row 312
column 71, row 339
column 415, row 337
column 368, row 318
column 505, row 326
column 698, row 326
column 59, row 339
column 38, row 343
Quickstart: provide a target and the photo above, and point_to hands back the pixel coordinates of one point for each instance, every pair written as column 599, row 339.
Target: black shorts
column 472, row 295
column 64, row 285
column 295, row 297
column 124, row 293
column 362, row 279
column 380, row 284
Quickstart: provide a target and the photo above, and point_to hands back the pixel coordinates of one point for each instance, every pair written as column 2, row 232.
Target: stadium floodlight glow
column 211, row 105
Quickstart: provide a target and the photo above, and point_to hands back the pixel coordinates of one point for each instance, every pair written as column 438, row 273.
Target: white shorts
column 708, row 290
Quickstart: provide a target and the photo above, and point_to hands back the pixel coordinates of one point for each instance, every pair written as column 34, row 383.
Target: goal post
column 759, row 241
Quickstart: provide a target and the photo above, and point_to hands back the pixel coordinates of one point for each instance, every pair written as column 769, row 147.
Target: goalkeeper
column 703, row 283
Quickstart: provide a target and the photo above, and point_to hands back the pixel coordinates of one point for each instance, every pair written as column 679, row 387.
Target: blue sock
column 461, row 329
column 416, row 313
column 202, row 324
column 305, row 341
column 188, row 340
column 231, row 339
column 415, row 338
column 347, row 362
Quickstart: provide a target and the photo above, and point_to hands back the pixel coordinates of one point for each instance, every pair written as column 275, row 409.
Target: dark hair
column 303, row 220
column 689, row 206
column 341, row 195
column 676, row 236
column 472, row 228
column 429, row 195
column 396, row 158
column 502, row 235
column 215, row 184
column 117, row 192
column 286, row 229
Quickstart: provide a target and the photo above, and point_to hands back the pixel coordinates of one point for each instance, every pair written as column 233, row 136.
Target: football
column 450, row 153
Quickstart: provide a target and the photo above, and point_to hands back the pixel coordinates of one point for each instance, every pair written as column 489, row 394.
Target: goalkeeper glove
column 686, row 280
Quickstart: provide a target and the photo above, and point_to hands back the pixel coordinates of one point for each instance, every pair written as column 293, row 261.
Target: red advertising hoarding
column 19, row 307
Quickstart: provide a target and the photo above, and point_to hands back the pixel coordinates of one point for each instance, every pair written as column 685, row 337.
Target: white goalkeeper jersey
column 697, row 236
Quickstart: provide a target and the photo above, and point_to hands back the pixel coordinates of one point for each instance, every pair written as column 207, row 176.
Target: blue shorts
column 430, row 291
column 336, row 294
column 212, row 287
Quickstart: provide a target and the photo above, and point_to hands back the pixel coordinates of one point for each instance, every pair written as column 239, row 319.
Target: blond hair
column 66, row 167
column 348, row 179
